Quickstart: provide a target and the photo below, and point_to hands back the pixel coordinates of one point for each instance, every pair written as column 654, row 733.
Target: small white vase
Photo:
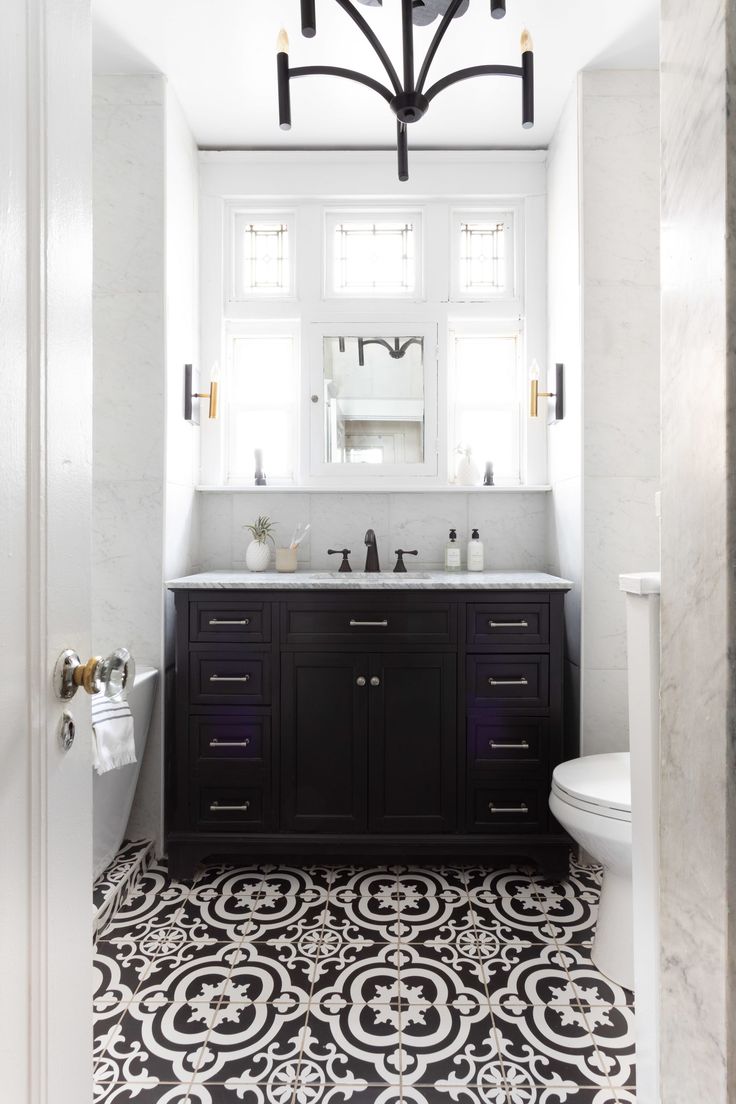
column 257, row 556
column 468, row 473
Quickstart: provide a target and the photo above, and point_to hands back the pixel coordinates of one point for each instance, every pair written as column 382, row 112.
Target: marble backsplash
column 513, row 526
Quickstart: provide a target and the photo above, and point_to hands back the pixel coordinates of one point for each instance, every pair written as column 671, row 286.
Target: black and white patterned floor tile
column 109, row 887
column 388, row 985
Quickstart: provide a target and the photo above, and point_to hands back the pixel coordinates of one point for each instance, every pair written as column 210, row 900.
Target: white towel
column 112, row 727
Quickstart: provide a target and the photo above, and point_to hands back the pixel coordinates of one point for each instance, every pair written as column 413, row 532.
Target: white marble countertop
column 359, row 580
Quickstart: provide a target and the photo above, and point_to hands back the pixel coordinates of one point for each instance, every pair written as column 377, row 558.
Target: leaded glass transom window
column 262, row 256
column 482, row 257
column 373, row 257
column 266, row 256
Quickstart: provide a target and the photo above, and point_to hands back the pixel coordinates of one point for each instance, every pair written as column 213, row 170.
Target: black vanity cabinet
column 365, row 725
column 368, row 742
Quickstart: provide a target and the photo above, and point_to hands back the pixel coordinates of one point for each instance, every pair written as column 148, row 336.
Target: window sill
column 351, row 488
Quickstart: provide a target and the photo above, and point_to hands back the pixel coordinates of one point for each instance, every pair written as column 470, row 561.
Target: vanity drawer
column 214, row 620
column 362, row 622
column 506, row 739
column 504, row 623
column 234, row 739
column 229, row 808
column 229, row 677
column 511, row 682
column 508, row 808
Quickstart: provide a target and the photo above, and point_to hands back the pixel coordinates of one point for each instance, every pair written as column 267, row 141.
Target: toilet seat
column 598, row 784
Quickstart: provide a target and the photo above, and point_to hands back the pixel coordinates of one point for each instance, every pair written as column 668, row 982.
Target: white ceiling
column 220, row 58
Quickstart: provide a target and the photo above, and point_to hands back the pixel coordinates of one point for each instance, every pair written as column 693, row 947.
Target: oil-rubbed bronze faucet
column 371, row 556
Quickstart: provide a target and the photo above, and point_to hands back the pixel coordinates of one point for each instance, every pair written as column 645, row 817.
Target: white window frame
column 489, row 328
column 235, row 212
column 336, row 216
column 511, row 218
column 265, row 185
column 277, row 328
column 324, row 473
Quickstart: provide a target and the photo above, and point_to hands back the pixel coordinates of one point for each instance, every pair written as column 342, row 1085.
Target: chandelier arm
column 439, row 34
column 347, row 74
column 473, row 71
column 407, row 39
column 357, row 18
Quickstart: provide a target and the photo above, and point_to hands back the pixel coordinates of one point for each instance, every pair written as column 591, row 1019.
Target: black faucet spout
column 371, row 556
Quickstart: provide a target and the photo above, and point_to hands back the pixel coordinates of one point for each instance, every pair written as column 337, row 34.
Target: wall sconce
column 558, row 410
column 191, row 392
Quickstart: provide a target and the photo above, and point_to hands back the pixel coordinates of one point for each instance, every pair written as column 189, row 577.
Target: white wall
column 564, row 345
column 129, row 341
column 619, row 143
column 145, row 329
column 603, row 265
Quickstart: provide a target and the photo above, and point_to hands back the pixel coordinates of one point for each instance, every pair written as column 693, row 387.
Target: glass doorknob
column 112, row 676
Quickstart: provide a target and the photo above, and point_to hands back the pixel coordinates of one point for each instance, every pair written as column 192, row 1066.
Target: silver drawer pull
column 230, row 743
column 375, row 624
column 505, row 624
column 508, row 682
column 217, row 621
column 508, row 808
column 216, row 807
column 524, row 745
column 229, row 678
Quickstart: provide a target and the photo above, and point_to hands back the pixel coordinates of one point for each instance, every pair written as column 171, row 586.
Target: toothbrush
column 297, row 540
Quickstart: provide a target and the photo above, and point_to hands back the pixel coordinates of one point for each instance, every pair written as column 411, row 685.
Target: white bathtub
column 113, row 792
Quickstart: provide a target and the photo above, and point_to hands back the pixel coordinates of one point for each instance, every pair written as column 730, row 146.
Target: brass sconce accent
column 191, row 414
column 557, row 394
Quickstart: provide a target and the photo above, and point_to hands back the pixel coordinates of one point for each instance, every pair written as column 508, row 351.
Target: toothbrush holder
column 286, row 559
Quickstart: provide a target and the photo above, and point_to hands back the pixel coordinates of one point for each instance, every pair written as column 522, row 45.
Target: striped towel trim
column 113, row 734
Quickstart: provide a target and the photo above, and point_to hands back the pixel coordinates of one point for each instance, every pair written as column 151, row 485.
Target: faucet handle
column 401, row 552
column 344, row 552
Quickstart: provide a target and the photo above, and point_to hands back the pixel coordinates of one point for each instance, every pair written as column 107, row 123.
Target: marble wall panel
column 621, row 535
column 698, row 772
column 513, row 527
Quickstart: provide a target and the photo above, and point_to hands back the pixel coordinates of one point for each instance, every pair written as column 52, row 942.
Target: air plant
column 262, row 530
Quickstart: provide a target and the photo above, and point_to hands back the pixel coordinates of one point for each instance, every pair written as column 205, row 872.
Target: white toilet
column 591, row 799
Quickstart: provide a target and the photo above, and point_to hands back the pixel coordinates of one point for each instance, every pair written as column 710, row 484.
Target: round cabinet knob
column 375, row 681
column 360, row 681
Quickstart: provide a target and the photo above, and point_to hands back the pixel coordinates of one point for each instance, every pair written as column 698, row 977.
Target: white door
column 45, row 493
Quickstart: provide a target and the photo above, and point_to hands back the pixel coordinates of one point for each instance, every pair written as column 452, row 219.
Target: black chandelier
column 409, row 101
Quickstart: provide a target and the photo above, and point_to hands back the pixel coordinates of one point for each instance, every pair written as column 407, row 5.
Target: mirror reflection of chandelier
column 408, row 101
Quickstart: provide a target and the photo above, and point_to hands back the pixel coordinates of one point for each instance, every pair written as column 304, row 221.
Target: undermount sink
column 394, row 576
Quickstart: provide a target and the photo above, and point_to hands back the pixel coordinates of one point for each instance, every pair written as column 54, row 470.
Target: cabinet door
column 325, row 720
column 412, row 743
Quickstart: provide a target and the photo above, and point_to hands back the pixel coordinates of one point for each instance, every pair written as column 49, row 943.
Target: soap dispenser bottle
column 452, row 553
column 475, row 552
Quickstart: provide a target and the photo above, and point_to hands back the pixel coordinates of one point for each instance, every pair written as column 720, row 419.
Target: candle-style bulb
column 282, row 42
column 534, row 369
column 526, row 42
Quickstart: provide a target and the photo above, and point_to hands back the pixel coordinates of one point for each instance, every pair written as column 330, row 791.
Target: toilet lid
column 602, row 781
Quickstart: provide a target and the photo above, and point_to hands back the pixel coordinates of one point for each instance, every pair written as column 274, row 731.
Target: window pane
column 263, row 371
column 262, row 400
column 268, row 430
column 492, row 435
column 485, row 370
column 372, row 257
column 264, row 257
column 482, row 257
